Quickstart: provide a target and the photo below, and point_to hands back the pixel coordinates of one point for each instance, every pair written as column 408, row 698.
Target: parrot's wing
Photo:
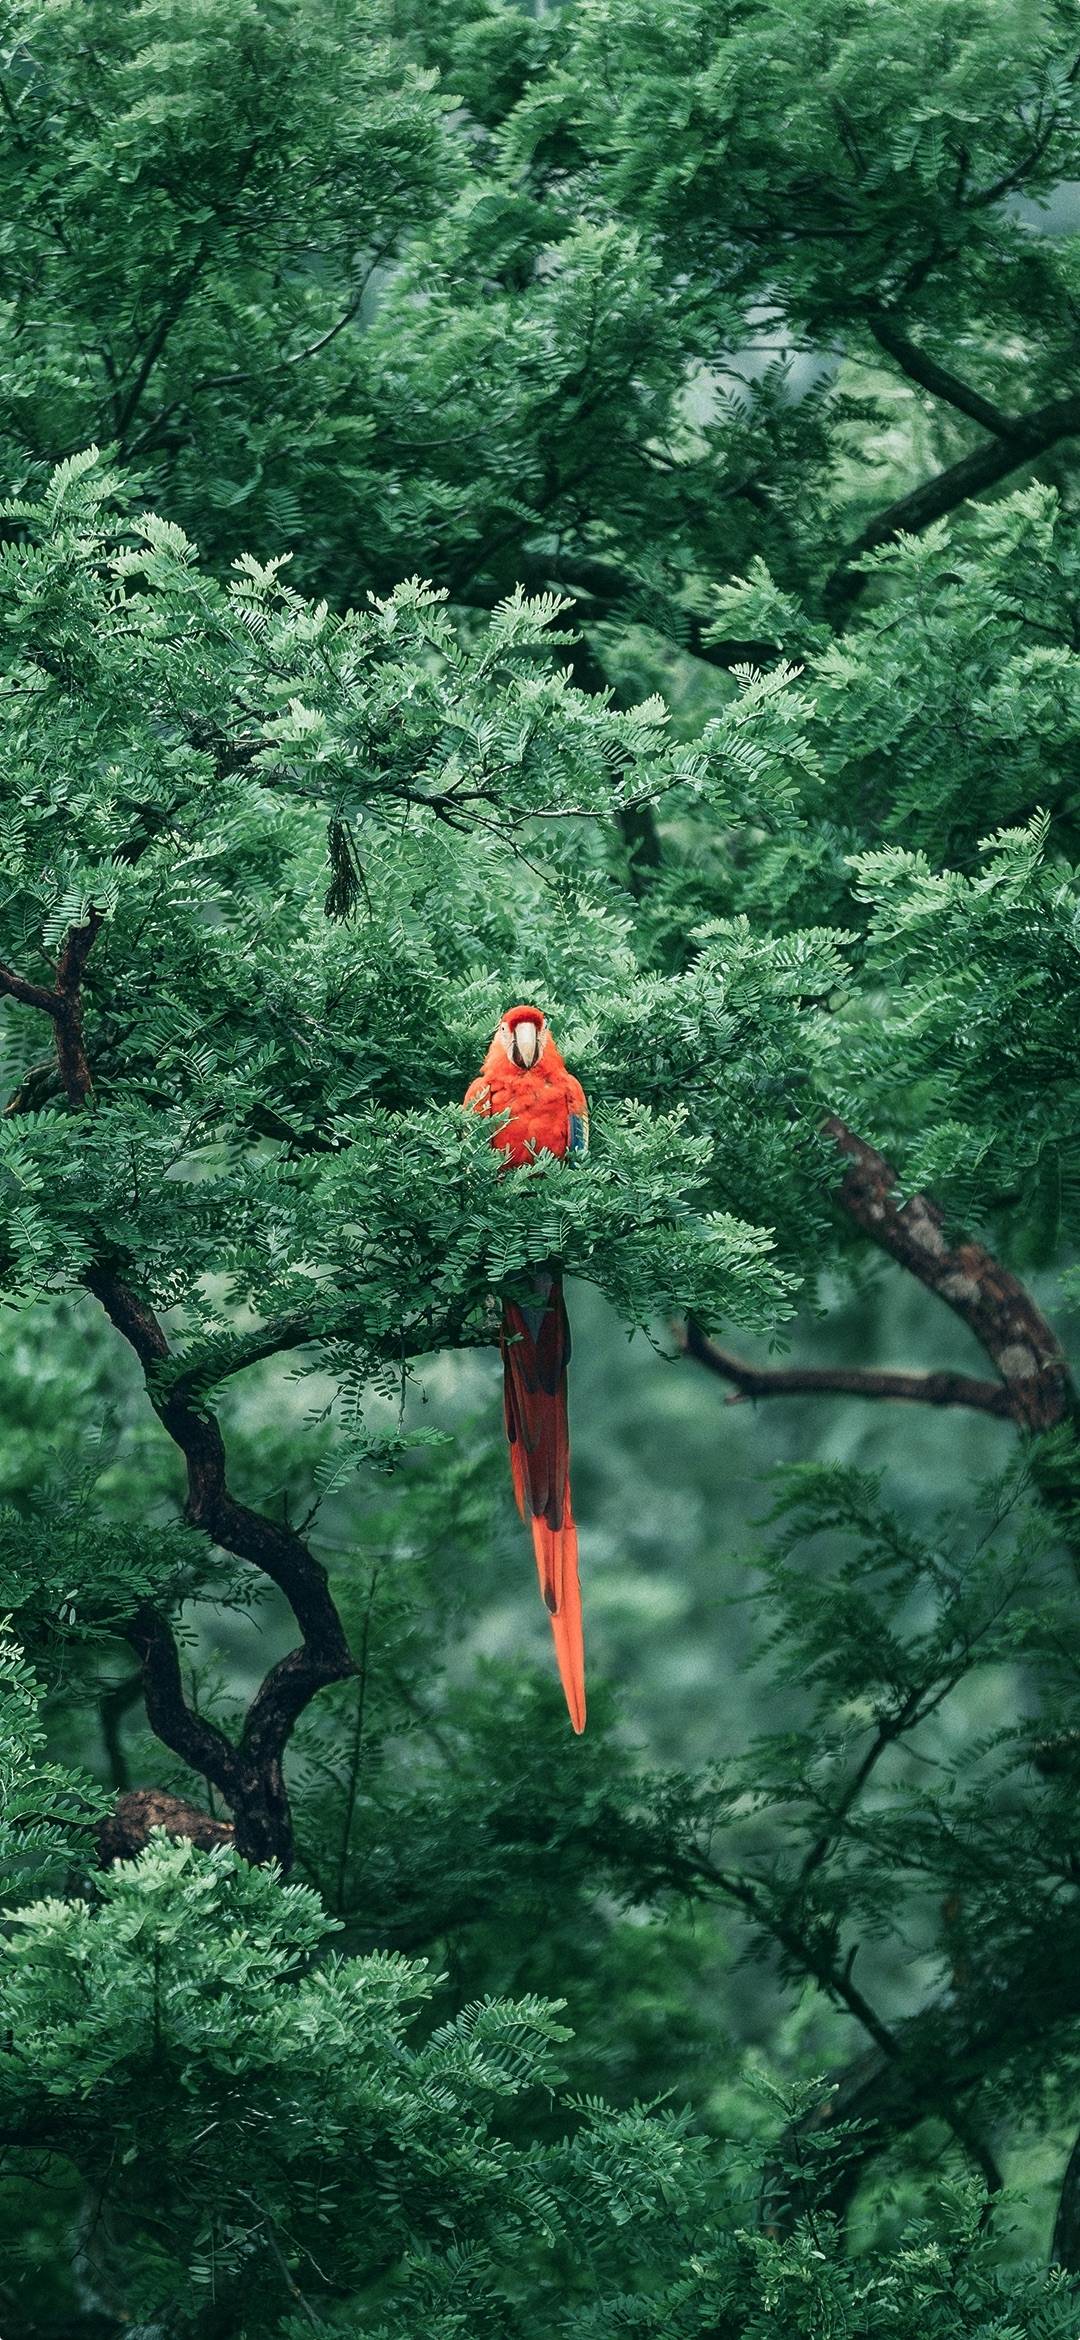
column 578, row 1142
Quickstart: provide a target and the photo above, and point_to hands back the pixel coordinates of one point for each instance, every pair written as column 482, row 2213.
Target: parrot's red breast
column 524, row 1075
column 542, row 1098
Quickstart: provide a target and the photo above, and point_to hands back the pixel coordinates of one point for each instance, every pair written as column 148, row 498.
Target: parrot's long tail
column 536, row 1352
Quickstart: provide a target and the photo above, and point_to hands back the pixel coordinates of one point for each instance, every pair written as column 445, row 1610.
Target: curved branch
column 1033, row 435
column 255, row 1786
column 63, row 1004
column 251, row 1776
column 198, row 1743
column 989, row 1299
column 980, row 197
column 928, row 1389
column 941, row 382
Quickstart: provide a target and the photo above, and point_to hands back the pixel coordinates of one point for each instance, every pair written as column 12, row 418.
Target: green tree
column 415, row 345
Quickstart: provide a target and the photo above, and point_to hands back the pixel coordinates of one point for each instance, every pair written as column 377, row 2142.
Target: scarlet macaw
column 524, row 1075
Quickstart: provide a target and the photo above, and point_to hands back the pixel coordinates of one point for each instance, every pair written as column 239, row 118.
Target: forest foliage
column 568, row 502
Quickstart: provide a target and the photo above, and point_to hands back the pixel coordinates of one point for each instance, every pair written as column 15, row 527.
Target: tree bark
column 865, row 1381
column 249, row 1776
column 127, row 1829
column 1032, row 435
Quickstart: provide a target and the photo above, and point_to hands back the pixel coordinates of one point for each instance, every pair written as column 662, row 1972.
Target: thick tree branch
column 1034, row 434
column 71, row 1053
column 1065, row 2248
column 128, row 1827
column 928, row 1389
column 63, row 1004
column 987, row 1297
column 941, row 382
column 31, row 994
column 255, row 1786
column 198, row 1743
column 1035, row 1390
column 250, row 1777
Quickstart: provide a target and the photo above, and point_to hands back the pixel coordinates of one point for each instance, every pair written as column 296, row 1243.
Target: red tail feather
column 536, row 1351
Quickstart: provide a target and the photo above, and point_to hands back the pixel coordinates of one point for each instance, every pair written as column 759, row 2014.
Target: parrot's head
column 524, row 1034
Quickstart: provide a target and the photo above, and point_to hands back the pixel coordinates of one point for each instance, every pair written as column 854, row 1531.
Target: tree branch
column 31, row 994
column 255, row 1787
column 1019, row 171
column 1035, row 1390
column 890, row 2063
column 1033, row 435
column 929, row 1389
column 987, row 1297
column 984, row 2028
column 941, row 382
column 893, row 2090
column 128, row 1827
column 1065, row 2248
column 127, row 408
column 71, row 1053
column 149, row 434
column 250, row 1777
column 63, row 1004
column 198, row 1743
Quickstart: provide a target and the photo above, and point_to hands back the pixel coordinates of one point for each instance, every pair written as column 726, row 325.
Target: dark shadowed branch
column 198, row 1743
column 903, row 2065
column 250, row 1776
column 988, row 1298
column 1028, row 437
column 1065, row 2248
column 898, row 2086
column 994, row 2021
column 940, row 380
column 1034, row 1389
column 34, row 995
column 252, row 1780
column 757, row 1381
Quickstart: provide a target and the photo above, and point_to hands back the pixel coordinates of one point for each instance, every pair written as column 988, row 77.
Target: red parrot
column 524, row 1075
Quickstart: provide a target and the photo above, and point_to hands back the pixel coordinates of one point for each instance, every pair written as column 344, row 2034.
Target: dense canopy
column 571, row 503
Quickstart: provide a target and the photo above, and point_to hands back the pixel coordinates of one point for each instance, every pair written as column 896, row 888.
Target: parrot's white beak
column 526, row 1043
